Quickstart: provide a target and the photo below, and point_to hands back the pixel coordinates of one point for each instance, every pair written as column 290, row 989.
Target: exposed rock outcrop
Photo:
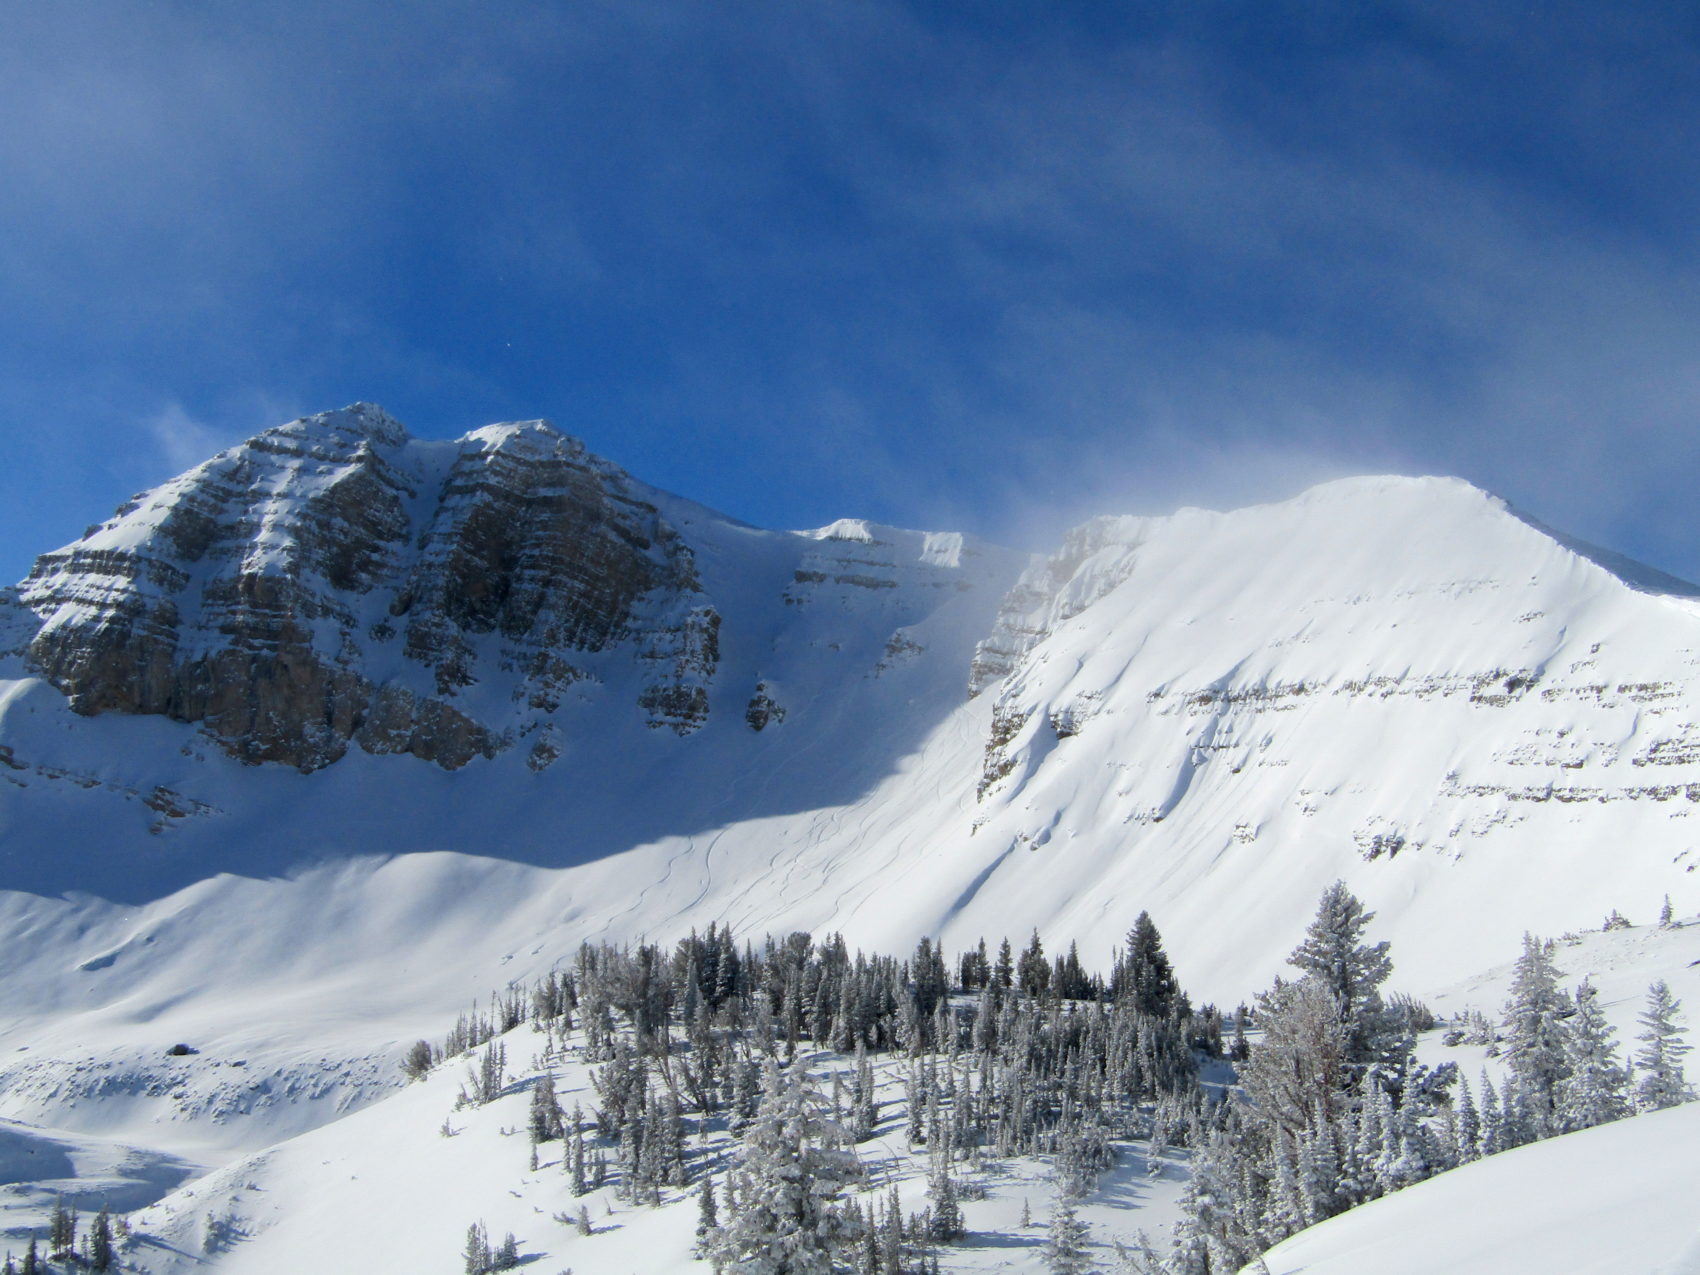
column 763, row 710
column 333, row 582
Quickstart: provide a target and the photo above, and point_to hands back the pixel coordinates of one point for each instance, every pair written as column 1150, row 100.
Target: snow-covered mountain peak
column 332, row 582
column 357, row 421
column 848, row 529
column 529, row 437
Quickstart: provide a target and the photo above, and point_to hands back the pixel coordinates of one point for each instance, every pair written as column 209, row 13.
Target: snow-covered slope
column 289, row 729
column 1613, row 1200
column 320, row 1193
column 1395, row 681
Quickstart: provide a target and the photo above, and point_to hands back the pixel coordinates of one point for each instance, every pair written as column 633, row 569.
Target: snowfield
column 1482, row 727
column 320, row 1193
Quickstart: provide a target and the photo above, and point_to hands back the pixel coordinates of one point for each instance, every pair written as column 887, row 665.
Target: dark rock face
column 333, row 582
column 763, row 709
column 686, row 655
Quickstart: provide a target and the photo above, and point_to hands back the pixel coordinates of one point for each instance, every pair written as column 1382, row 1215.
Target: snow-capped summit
column 333, row 582
column 496, row 696
column 1399, row 681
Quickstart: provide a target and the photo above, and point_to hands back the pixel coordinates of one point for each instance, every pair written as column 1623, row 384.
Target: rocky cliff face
column 333, row 582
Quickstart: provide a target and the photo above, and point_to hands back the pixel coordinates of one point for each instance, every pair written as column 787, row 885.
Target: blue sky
column 975, row 265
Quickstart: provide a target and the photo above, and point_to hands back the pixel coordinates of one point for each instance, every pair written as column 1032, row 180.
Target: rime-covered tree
column 1534, row 1032
column 1066, row 1252
column 945, row 1225
column 1466, row 1126
column 1334, row 955
column 1659, row 1059
column 708, row 1215
column 1336, row 1110
column 792, row 1167
column 1300, row 1071
column 1596, row 1088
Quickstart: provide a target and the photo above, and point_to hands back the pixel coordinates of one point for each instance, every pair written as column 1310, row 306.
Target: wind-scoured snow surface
column 1210, row 716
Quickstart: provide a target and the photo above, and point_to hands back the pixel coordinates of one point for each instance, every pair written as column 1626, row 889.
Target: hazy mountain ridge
column 1385, row 671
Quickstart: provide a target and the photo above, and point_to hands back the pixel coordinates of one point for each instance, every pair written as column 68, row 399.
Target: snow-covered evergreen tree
column 1319, row 1173
column 1493, row 1118
column 1534, row 1034
column 1596, row 1090
column 1466, row 1126
column 708, row 1215
column 1334, row 955
column 1659, row 1059
column 945, row 1226
column 792, row 1168
column 1066, row 1252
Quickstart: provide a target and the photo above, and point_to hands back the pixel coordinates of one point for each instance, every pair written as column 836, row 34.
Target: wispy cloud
column 867, row 256
column 181, row 440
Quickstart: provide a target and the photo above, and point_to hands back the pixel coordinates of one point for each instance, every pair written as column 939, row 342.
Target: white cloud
column 181, row 441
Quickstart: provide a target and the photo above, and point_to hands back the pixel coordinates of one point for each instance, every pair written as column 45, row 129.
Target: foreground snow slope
column 1614, row 1200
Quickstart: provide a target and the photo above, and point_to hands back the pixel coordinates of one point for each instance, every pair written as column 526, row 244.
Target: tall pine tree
column 1334, row 955
column 1534, row 1033
column 786, row 1219
column 1660, row 1056
column 1144, row 975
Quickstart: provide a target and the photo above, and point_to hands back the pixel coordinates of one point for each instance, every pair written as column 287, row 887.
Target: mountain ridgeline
column 335, row 640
